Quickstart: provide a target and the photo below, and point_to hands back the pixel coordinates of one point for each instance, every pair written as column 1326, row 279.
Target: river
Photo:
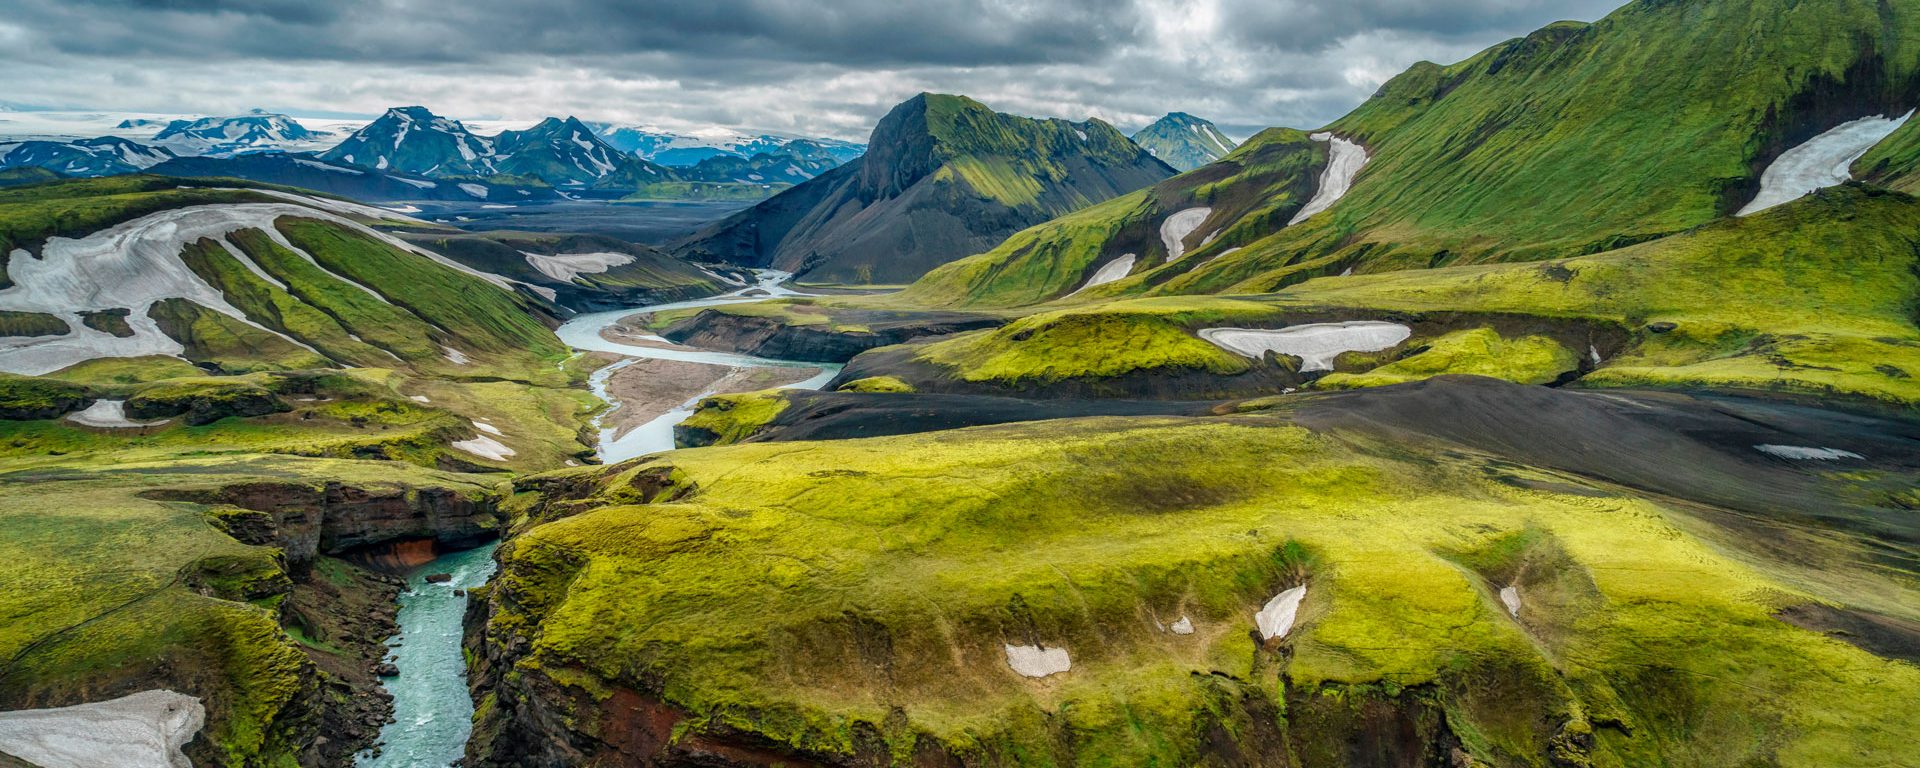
column 432, row 709
column 433, row 713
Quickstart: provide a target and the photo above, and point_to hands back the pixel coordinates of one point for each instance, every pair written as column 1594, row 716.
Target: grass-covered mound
column 32, row 397
column 728, row 419
column 111, row 591
column 361, row 413
column 1815, row 296
column 851, row 602
column 1479, row 352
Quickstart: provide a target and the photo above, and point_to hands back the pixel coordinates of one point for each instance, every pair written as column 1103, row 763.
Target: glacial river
column 432, row 709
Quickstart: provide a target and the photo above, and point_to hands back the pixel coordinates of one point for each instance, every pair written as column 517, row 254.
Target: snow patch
column 1806, row 453
column 144, row 729
column 1034, row 661
column 487, row 428
column 326, row 167
column 1316, row 344
column 475, row 190
column 1823, row 161
column 1276, row 618
column 454, row 356
column 1510, row 597
column 415, row 182
column 1344, row 161
column 485, row 447
column 109, row 414
column 1174, row 231
column 420, row 398
column 1109, row 272
column 1182, row 627
column 564, row 267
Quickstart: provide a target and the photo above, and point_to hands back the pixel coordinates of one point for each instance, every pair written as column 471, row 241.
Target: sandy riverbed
column 648, row 388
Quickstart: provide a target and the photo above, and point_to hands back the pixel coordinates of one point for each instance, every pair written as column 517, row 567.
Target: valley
column 1552, row 408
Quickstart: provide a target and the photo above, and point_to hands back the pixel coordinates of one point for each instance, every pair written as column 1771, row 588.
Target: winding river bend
column 432, row 710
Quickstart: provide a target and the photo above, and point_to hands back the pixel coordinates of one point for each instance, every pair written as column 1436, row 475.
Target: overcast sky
column 819, row 67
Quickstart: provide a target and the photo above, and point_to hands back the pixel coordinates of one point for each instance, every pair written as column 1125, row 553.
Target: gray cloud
column 807, row 67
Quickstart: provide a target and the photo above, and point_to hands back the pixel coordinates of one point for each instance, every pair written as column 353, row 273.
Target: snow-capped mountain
column 414, row 140
column 104, row 156
column 680, row 150
column 252, row 132
column 567, row 153
column 796, row 162
column 1184, row 141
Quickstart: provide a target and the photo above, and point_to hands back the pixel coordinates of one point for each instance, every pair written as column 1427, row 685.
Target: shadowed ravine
column 433, row 710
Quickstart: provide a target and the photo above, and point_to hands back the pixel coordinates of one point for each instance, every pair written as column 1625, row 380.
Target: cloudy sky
column 816, row 67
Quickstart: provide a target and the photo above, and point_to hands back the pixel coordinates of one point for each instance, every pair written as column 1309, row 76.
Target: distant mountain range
column 679, row 150
column 944, row 177
column 412, row 143
column 1184, row 141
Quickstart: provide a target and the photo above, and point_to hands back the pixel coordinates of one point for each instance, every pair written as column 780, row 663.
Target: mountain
column 104, row 156
column 792, row 164
column 680, row 150
column 1540, row 147
column 1184, row 141
column 416, row 141
column 943, row 177
column 567, row 153
column 218, row 136
column 307, row 171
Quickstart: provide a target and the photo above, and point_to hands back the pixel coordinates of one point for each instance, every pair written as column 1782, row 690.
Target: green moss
column 1103, row 341
column 203, row 400
column 1814, row 296
column 216, row 339
column 32, row 397
column 1479, row 352
column 120, row 374
column 29, row 215
column 31, row 324
column 877, row 384
column 804, row 588
column 728, row 419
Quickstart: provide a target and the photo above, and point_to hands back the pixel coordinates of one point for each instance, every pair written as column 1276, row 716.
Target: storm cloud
column 804, row 67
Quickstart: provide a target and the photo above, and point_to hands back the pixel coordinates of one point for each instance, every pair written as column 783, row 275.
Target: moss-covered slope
column 853, row 602
column 1576, row 139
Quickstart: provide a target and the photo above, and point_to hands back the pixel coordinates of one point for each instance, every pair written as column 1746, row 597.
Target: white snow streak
column 1275, row 619
column 564, row 267
column 143, row 729
column 485, row 447
column 1824, row 161
column 1344, row 161
column 109, row 414
column 1109, row 272
column 1806, row 453
column 1174, row 231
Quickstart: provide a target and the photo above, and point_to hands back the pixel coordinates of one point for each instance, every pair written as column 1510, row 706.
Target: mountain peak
column 1184, row 141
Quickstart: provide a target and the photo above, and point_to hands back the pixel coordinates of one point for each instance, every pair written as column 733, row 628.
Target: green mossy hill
column 203, row 400
column 729, row 419
column 1812, row 297
column 111, row 592
column 1250, row 193
column 1479, row 352
column 359, row 414
column 31, row 214
column 851, row 602
column 346, row 298
column 1576, row 139
column 32, row 397
column 27, row 174
column 884, row 384
column 651, row 276
column 943, row 177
